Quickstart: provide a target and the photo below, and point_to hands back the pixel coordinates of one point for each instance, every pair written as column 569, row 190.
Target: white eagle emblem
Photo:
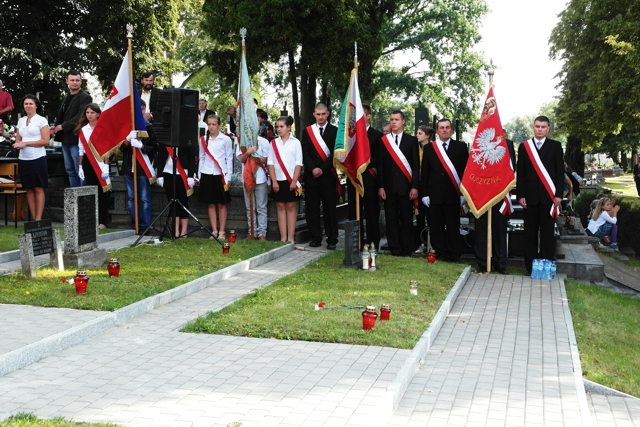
column 488, row 151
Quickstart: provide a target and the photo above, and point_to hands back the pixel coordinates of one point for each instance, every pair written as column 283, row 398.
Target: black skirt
column 284, row 194
column 212, row 190
column 181, row 194
column 34, row 173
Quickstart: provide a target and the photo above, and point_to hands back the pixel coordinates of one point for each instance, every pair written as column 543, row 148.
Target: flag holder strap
column 172, row 204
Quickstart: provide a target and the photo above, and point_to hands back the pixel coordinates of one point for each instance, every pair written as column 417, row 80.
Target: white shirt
column 595, row 224
column 146, row 97
column 393, row 138
column 263, row 151
column 87, row 129
column 220, row 148
column 291, row 155
column 32, row 132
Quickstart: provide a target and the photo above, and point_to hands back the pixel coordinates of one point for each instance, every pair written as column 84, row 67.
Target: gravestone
column 351, row 244
column 81, row 228
column 39, row 239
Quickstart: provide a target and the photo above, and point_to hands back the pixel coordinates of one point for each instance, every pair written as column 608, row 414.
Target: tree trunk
column 574, row 156
column 624, row 162
column 294, row 89
column 308, row 86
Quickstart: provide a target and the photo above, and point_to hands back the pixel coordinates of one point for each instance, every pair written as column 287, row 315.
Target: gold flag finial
column 129, row 31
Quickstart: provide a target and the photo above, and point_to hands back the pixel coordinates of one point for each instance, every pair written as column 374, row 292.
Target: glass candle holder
column 225, row 248
column 231, row 237
column 369, row 317
column 385, row 312
column 81, row 280
column 114, row 267
column 413, row 287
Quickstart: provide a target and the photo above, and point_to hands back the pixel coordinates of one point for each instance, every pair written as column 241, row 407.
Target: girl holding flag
column 214, row 172
column 88, row 162
column 285, row 162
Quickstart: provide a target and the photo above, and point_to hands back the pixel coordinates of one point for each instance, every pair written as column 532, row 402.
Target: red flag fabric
column 489, row 175
column 115, row 121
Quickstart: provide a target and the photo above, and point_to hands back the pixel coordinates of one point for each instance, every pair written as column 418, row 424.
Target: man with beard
column 149, row 95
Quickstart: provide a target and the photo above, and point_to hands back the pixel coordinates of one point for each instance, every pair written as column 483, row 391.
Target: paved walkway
column 504, row 356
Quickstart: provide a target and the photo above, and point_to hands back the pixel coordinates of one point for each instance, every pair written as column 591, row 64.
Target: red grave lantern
column 81, row 280
column 114, row 267
column 369, row 317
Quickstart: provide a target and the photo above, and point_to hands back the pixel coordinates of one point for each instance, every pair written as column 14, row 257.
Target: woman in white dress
column 31, row 138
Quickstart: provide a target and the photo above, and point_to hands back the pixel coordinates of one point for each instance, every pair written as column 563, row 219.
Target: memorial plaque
column 41, row 236
column 351, row 244
column 86, row 219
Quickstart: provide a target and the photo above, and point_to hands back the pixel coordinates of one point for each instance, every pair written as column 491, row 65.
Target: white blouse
column 220, row 148
column 32, row 132
column 291, row 155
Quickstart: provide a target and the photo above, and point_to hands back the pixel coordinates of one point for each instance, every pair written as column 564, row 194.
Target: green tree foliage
column 314, row 40
column 38, row 45
column 600, row 91
column 520, row 128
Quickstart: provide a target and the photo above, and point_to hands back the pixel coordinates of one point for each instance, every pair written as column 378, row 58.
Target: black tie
column 397, row 140
column 321, row 130
column 444, row 146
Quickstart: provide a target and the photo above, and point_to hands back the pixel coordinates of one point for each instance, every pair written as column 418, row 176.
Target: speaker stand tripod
column 172, row 204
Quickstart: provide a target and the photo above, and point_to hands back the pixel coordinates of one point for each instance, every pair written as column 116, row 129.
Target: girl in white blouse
column 214, row 174
column 31, row 138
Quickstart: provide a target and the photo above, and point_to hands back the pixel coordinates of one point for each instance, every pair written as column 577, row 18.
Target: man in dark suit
column 443, row 163
column 538, row 195
column 149, row 95
column 318, row 141
column 203, row 113
column 68, row 116
column 370, row 203
column 499, row 223
column 398, row 177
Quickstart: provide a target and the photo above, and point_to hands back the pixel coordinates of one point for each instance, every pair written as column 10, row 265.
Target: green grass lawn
column 30, row 420
column 145, row 271
column 607, row 328
column 285, row 309
column 624, row 185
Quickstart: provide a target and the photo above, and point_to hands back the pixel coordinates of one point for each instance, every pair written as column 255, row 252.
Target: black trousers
column 90, row 178
column 538, row 221
column 324, row 192
column 638, row 186
column 369, row 213
column 498, row 239
column 398, row 210
column 444, row 226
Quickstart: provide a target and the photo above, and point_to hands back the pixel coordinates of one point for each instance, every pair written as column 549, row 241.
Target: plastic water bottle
column 553, row 270
column 547, row 270
column 535, row 270
column 540, row 274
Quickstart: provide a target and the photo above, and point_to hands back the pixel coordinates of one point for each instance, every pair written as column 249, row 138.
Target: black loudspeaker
column 175, row 119
column 422, row 118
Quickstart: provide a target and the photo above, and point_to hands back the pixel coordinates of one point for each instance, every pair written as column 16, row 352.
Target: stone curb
column 102, row 238
column 19, row 358
column 389, row 401
column 585, row 413
column 595, row 388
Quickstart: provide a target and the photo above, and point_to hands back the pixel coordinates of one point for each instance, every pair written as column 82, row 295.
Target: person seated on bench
column 603, row 222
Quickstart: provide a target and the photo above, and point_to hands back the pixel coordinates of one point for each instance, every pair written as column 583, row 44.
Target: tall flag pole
column 247, row 128
column 352, row 152
column 489, row 175
column 121, row 114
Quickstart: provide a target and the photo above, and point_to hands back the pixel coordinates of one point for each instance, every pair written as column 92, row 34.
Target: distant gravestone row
column 80, row 235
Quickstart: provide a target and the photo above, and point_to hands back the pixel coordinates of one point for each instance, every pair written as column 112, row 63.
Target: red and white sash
column 398, row 156
column 181, row 171
column 446, row 164
column 288, row 174
column 95, row 164
column 507, row 207
column 206, row 150
column 323, row 151
column 543, row 174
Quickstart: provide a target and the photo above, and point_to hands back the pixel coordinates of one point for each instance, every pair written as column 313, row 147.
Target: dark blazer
column 69, row 119
column 153, row 100
column 528, row 184
column 390, row 177
column 186, row 156
column 312, row 159
column 435, row 181
column 207, row 113
column 149, row 147
column 374, row 136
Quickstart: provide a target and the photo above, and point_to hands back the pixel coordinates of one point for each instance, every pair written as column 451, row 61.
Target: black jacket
column 312, row 159
column 390, row 176
column 435, row 182
column 70, row 117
